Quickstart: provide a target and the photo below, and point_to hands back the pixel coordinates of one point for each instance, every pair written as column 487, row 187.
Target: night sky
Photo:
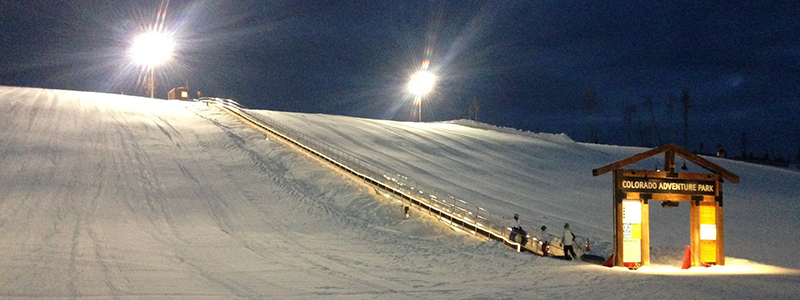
column 530, row 64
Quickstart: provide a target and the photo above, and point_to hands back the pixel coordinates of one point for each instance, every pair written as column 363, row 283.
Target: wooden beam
column 672, row 197
column 669, row 161
column 631, row 160
column 663, row 175
column 700, row 161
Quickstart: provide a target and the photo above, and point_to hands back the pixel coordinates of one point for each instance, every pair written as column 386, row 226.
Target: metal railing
column 452, row 210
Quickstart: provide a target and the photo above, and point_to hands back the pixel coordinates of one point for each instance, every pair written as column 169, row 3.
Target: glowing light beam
column 421, row 83
column 152, row 48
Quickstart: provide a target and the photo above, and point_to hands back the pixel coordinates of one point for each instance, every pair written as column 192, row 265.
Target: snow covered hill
column 109, row 196
column 547, row 179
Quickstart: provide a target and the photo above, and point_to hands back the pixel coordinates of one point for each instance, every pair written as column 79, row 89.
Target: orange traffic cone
column 687, row 259
column 587, row 246
column 609, row 262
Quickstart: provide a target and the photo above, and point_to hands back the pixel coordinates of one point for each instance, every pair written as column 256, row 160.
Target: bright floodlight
column 152, row 48
column 421, row 83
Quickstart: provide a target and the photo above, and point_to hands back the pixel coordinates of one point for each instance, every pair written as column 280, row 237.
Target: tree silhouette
column 798, row 157
column 590, row 104
column 654, row 124
column 474, row 109
column 627, row 117
column 744, row 145
column 687, row 104
column 672, row 102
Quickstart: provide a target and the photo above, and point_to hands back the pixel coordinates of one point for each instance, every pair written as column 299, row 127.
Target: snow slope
column 547, row 179
column 108, row 196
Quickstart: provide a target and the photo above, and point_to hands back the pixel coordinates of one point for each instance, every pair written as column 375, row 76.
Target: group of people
column 567, row 239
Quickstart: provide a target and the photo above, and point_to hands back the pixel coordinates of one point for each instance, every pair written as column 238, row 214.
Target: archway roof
column 669, row 150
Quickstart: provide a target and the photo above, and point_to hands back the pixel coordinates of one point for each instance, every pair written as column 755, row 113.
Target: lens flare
column 152, row 48
column 421, row 83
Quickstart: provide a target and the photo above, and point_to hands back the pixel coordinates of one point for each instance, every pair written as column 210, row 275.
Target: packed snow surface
column 109, row 196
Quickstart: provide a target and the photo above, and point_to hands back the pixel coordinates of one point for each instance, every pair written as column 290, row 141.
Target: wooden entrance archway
column 634, row 189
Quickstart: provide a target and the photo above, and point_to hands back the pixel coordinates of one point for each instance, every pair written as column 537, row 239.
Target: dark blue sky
column 528, row 63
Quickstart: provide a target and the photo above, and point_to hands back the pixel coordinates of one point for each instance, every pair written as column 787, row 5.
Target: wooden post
column 720, row 227
column 645, row 232
column 618, row 196
column 669, row 161
column 694, row 223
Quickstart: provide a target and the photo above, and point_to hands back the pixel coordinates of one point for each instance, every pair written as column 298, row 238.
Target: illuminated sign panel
column 708, row 233
column 668, row 186
column 632, row 230
column 708, row 223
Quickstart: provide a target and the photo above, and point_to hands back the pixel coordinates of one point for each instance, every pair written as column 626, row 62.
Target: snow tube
column 595, row 259
column 518, row 235
column 562, row 257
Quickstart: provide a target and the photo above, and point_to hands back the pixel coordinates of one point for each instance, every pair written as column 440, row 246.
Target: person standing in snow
column 568, row 240
column 517, row 233
column 545, row 238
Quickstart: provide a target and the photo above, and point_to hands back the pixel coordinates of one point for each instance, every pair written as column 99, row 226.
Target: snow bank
column 561, row 137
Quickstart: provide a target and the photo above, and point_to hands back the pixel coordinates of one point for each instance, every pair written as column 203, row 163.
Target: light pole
column 420, row 84
column 151, row 49
column 152, row 82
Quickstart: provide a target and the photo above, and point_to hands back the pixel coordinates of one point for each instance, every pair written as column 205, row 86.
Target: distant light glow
column 152, row 48
column 421, row 83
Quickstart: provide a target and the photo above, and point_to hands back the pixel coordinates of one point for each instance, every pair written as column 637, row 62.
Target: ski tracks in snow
column 289, row 196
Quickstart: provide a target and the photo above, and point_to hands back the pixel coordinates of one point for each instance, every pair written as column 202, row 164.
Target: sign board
column 708, row 251
column 631, row 217
column 632, row 230
column 708, row 223
column 668, row 186
column 708, row 233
